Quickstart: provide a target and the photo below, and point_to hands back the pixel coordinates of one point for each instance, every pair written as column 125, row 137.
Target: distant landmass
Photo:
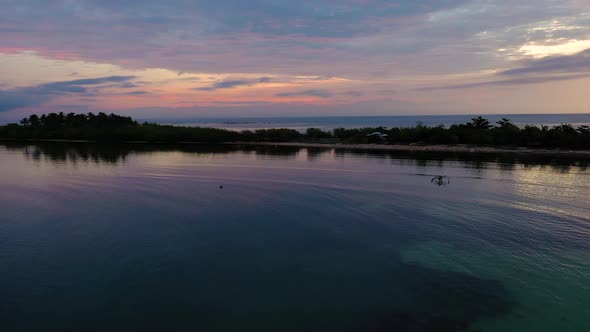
column 331, row 122
column 478, row 131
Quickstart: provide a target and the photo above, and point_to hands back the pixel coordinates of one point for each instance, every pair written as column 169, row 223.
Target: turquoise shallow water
column 141, row 238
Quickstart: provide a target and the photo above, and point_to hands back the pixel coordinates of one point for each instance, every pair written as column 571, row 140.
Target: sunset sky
column 248, row 58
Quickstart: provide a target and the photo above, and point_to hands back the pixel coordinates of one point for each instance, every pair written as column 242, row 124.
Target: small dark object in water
column 220, row 187
column 440, row 180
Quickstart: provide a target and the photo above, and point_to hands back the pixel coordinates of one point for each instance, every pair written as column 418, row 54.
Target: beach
column 438, row 148
column 463, row 149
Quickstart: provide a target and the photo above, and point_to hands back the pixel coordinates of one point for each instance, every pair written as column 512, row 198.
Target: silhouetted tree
column 480, row 123
column 111, row 127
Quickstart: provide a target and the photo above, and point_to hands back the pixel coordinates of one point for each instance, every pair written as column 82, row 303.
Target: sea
column 217, row 238
column 332, row 122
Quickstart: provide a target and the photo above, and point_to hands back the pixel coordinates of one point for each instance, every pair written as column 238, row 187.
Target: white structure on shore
column 377, row 136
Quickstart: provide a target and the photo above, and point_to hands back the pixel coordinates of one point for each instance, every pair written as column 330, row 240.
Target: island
column 476, row 136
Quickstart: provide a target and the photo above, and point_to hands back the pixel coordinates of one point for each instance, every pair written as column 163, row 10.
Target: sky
column 249, row 58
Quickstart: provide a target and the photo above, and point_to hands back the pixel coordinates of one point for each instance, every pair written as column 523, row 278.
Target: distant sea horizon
column 331, row 122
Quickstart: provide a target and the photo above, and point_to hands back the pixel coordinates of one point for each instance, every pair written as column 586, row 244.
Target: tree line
column 478, row 131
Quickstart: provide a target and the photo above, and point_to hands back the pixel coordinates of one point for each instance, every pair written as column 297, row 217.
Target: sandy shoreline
column 461, row 149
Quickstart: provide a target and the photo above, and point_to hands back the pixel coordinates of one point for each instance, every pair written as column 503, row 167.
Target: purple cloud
column 38, row 95
column 233, row 83
column 318, row 93
column 576, row 63
column 508, row 82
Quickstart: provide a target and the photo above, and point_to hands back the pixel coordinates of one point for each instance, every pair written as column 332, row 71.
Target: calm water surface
column 144, row 239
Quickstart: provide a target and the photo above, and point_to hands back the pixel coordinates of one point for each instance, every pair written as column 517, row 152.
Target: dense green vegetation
column 107, row 127
column 110, row 127
column 480, row 131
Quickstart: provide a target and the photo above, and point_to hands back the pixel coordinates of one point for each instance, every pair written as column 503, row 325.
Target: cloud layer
column 37, row 95
column 576, row 63
column 149, row 54
column 233, row 84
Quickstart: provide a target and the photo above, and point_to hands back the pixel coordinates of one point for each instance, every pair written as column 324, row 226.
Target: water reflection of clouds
column 536, row 182
column 558, row 193
column 338, row 216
